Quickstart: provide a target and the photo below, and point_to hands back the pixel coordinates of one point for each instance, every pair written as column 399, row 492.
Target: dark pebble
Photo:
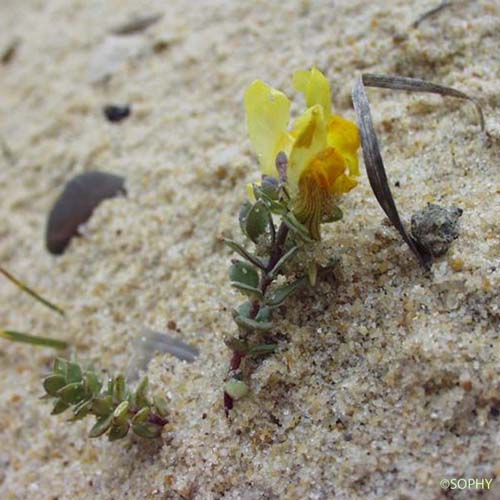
column 10, row 52
column 494, row 410
column 75, row 205
column 116, row 114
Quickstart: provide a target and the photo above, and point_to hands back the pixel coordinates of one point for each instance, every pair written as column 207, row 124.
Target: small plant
column 116, row 407
column 304, row 170
column 303, row 173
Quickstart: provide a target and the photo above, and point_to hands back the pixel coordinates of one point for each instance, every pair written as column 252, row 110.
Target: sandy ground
column 386, row 381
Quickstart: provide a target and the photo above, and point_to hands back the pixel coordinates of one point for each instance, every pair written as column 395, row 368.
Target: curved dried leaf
column 376, row 170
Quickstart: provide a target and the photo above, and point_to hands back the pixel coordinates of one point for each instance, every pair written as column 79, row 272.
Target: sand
column 386, row 380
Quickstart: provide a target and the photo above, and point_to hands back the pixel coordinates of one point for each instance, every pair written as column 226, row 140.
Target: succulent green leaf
column 245, row 208
column 267, row 197
column 92, row 383
column 73, row 373
column 59, row 407
column 141, row 398
column 60, row 366
column 236, row 247
column 299, row 229
column 111, row 386
column 242, row 272
column 119, row 389
column 72, row 393
column 244, row 309
column 257, row 220
column 101, row 426
column 120, row 415
column 53, row 383
column 278, row 296
column 269, row 187
column 118, row 432
column 142, row 415
column 161, row 405
column 82, row 410
column 147, row 430
column 334, row 216
column 264, row 314
column 286, row 257
column 252, row 324
column 248, row 290
column 237, row 389
column 102, row 406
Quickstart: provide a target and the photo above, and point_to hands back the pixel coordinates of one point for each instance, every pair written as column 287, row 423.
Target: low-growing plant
column 117, row 408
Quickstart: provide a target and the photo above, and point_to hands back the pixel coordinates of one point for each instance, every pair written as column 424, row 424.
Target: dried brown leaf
column 376, row 171
column 395, row 82
column 371, row 151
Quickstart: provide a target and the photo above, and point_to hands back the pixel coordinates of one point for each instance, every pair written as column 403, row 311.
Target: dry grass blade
column 33, row 339
column 31, row 292
column 376, row 171
column 431, row 12
column 416, row 85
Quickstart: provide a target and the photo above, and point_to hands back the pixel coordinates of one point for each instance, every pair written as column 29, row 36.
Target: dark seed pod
column 75, row 205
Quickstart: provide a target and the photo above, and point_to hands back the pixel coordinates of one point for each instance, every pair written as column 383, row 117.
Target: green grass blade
column 33, row 339
column 31, row 292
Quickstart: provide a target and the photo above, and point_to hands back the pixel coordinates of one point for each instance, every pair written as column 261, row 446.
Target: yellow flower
column 321, row 147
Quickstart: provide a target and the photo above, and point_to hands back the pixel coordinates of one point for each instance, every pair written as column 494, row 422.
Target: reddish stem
column 153, row 418
column 265, row 281
column 236, row 360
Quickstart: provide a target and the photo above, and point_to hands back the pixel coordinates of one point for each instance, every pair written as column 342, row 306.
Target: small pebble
column 137, row 24
column 115, row 113
column 74, row 206
column 9, row 52
column 457, row 264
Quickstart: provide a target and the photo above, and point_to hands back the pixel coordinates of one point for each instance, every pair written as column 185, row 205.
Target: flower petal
column 267, row 115
column 343, row 184
column 316, row 89
column 316, row 184
column 343, row 135
column 310, row 140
